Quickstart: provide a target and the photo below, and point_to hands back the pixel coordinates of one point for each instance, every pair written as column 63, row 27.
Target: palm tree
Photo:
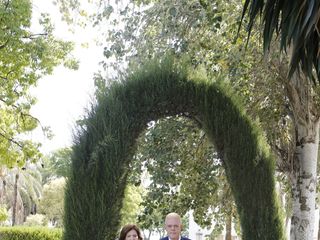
column 297, row 23
column 23, row 189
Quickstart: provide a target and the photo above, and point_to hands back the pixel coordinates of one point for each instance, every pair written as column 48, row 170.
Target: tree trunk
column 3, row 192
column 229, row 227
column 160, row 232
column 319, row 227
column 304, row 192
column 4, row 184
column 288, row 227
column 304, row 163
column 15, row 197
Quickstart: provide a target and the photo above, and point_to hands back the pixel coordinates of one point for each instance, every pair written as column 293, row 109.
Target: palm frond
column 297, row 23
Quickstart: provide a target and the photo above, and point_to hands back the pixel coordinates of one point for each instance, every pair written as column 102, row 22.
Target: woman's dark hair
column 127, row 228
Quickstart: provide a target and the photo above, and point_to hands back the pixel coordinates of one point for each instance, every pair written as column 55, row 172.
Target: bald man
column 173, row 226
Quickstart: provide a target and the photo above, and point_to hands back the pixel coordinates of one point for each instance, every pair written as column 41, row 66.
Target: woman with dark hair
column 130, row 232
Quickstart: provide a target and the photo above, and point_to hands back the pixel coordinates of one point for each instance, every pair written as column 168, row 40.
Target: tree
column 297, row 28
column 21, row 189
column 184, row 170
column 297, row 24
column 56, row 168
column 131, row 204
column 38, row 54
column 105, row 146
column 3, row 213
column 151, row 219
column 299, row 104
column 170, row 33
column 204, row 33
column 52, row 201
column 56, row 164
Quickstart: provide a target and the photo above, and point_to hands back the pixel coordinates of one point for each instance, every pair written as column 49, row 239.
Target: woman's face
column 132, row 235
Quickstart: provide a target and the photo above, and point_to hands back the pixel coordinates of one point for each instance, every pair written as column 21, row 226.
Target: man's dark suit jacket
column 167, row 238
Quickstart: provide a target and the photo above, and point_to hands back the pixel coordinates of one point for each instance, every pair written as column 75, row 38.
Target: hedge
column 106, row 142
column 30, row 233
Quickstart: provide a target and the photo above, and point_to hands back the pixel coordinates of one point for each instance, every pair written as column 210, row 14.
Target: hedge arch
column 105, row 145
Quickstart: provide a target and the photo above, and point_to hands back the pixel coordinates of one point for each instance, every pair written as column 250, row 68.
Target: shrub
column 3, row 213
column 36, row 220
column 30, row 233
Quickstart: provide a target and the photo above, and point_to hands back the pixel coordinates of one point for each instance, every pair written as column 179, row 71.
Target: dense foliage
column 297, row 23
column 52, row 201
column 56, row 164
column 184, row 170
column 25, row 56
column 106, row 142
column 29, row 233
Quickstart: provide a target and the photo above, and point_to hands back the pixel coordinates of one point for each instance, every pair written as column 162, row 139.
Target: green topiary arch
column 106, row 143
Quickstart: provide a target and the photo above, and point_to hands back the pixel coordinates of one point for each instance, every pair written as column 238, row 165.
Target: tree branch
column 10, row 139
column 36, row 35
column 5, row 44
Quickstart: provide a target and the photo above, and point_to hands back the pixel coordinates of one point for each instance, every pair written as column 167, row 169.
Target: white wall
column 195, row 231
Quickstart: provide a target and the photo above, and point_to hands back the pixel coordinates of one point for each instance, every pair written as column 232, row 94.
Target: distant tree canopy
column 25, row 57
column 52, row 201
column 184, row 170
column 56, row 164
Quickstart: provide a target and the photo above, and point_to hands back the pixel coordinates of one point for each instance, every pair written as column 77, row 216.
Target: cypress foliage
column 106, row 143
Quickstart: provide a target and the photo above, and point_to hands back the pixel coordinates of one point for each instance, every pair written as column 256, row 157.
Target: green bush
column 30, row 233
column 36, row 220
column 3, row 213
